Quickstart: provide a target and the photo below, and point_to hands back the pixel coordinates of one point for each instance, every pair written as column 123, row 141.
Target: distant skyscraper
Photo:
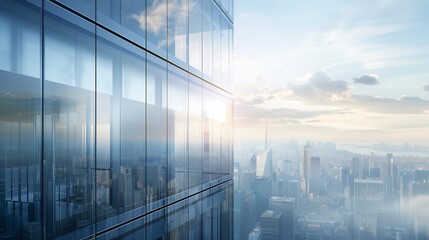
column 344, row 177
column 286, row 206
column 315, row 168
column 261, row 186
column 246, row 179
column 271, row 225
column 421, row 175
column 365, row 168
column 419, row 193
column 305, row 168
column 388, row 178
column 264, row 164
column 293, row 189
column 314, row 179
column 368, row 200
column 356, row 168
column 245, row 219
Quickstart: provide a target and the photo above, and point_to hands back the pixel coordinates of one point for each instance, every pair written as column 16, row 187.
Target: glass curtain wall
column 20, row 119
column 125, row 114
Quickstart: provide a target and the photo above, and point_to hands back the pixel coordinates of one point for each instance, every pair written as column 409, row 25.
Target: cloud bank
column 320, row 86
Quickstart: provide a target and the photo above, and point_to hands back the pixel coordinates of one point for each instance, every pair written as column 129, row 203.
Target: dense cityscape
column 308, row 190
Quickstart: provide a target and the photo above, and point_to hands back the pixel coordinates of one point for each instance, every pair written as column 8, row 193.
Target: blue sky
column 345, row 71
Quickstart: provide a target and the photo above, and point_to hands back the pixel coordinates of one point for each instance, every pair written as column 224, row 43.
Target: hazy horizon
column 332, row 71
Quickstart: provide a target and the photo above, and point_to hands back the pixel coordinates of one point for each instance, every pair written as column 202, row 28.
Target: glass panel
column 217, row 114
column 230, row 119
column 177, row 130
column 207, row 40
column 85, row 7
column 69, row 113
column 126, row 17
column 178, row 32
column 121, row 131
column 195, row 35
column 178, row 221
column 195, row 132
column 7, row 20
column 229, row 84
column 225, row 27
column 20, row 41
column 20, row 121
column 156, row 25
column 217, row 65
column 231, row 8
column 207, row 131
column 156, row 129
column 207, row 218
column 225, row 138
column 157, row 225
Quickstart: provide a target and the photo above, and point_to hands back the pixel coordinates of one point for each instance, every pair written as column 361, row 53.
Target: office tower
column 293, row 189
column 264, row 164
column 344, row 177
column 305, row 168
column 315, row 168
column 245, row 218
column 116, row 119
column 246, row 179
column 286, row 206
column 374, row 173
column 420, row 175
column 314, row 178
column 356, row 167
column 365, row 168
column 388, row 178
column 271, row 224
column 392, row 226
column 368, row 200
column 417, row 204
column 261, row 187
column 347, row 198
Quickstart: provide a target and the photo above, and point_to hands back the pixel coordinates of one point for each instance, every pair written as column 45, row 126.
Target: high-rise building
column 116, row 119
column 344, row 177
column 356, row 167
column 368, row 200
column 244, row 219
column 286, row 206
column 261, row 186
column 388, row 178
column 264, row 164
column 271, row 225
column 314, row 180
column 365, row 167
column 305, row 168
column 293, row 189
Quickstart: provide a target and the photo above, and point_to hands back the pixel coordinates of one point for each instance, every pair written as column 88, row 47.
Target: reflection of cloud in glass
column 157, row 15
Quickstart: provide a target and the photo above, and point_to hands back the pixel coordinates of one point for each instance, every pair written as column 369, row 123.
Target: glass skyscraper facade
column 116, row 119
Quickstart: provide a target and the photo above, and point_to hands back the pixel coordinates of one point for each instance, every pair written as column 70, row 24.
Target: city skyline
column 332, row 71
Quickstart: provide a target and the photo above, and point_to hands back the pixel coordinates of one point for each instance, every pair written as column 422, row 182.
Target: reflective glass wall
column 115, row 119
